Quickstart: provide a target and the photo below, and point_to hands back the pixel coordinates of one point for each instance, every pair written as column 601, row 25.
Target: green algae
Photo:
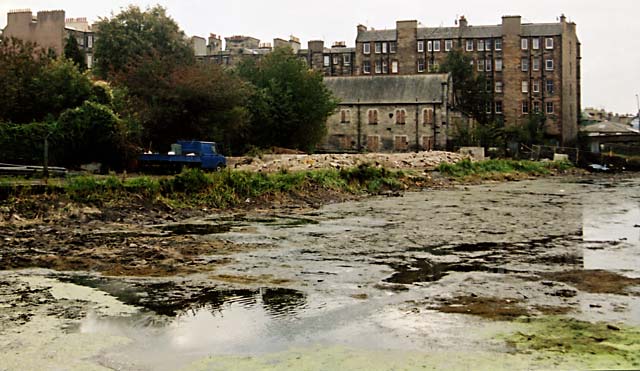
column 595, row 345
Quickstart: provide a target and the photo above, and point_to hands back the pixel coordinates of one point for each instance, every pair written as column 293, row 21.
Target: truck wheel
column 219, row 168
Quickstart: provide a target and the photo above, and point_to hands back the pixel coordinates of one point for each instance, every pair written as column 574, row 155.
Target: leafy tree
column 73, row 52
column 61, row 86
column 21, row 64
column 290, row 104
column 134, row 35
column 90, row 133
column 200, row 101
column 530, row 133
column 470, row 94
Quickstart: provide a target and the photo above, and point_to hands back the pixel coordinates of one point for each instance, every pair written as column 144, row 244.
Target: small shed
column 601, row 134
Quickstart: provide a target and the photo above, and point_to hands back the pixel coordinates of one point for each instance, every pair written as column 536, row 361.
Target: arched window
column 373, row 116
column 401, row 116
column 427, row 116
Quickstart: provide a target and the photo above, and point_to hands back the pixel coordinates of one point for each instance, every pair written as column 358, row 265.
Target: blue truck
column 185, row 153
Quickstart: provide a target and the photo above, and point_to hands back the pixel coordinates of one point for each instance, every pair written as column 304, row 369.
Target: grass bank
column 226, row 189
column 230, row 188
column 491, row 169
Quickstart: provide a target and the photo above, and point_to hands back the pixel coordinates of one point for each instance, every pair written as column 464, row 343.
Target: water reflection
column 611, row 224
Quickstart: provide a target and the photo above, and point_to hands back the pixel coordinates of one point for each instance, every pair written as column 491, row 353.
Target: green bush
column 190, row 181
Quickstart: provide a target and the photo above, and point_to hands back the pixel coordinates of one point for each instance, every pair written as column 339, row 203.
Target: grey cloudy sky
column 609, row 30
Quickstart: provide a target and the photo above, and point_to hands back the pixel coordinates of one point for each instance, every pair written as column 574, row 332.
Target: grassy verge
column 229, row 188
column 491, row 168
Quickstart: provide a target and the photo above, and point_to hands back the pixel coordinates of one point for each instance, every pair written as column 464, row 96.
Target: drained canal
column 432, row 279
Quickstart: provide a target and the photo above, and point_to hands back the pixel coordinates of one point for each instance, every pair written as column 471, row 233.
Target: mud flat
column 537, row 274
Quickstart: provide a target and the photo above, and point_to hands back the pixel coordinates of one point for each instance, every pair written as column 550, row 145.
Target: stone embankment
column 270, row 163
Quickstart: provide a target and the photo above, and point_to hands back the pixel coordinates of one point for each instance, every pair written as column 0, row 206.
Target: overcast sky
column 609, row 30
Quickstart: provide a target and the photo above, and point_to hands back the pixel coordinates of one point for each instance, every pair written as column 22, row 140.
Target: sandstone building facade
column 530, row 67
column 50, row 29
column 391, row 113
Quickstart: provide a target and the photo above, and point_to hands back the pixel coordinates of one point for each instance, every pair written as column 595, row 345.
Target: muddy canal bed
column 541, row 274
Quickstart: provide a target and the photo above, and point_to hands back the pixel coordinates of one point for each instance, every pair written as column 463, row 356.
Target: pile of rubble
column 270, row 163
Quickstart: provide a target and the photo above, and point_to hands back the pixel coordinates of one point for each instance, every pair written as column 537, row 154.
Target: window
column 488, row 86
column 378, row 66
column 427, row 116
column 336, row 59
column 392, row 47
column 525, row 86
column 549, row 107
column 488, row 64
column 434, row 66
column 401, row 117
column 498, row 44
column 536, row 107
column 385, row 67
column 524, row 63
column 481, row 65
column 535, row 43
column 429, row 46
column 345, row 116
column 487, row 107
column 373, row 143
column 525, row 107
column 536, row 86
column 80, row 41
column 487, row 45
column 384, row 48
column 420, row 64
column 366, row 48
column 548, row 43
column 346, row 59
column 436, row 45
column 420, row 46
column 469, row 45
column 498, row 107
column 498, row 86
column 549, row 64
column 550, row 87
column 90, row 41
column 524, row 44
column 89, row 61
column 366, row 67
column 394, row 67
column 536, row 64
column 378, row 48
column 499, row 64
column 480, row 45
column 400, row 143
column 373, row 116
column 448, row 45
column 327, row 61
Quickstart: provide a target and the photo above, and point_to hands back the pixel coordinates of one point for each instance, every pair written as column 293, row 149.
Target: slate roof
column 609, row 128
column 393, row 89
column 425, row 33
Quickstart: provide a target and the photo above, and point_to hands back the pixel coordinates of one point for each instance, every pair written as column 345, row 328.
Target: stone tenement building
column 390, row 113
column 530, row 67
column 50, row 29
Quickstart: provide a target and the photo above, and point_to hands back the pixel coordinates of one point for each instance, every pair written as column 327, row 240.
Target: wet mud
column 470, row 268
